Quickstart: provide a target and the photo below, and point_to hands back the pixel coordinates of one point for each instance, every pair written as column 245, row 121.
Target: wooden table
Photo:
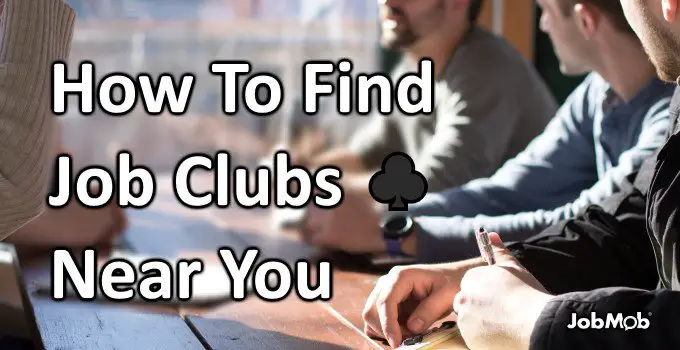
column 167, row 229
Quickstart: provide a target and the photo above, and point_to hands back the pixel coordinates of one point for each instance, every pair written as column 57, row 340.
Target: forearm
column 35, row 33
column 344, row 159
column 357, row 182
column 653, row 314
column 41, row 230
column 479, row 197
column 442, row 239
column 595, row 250
column 439, row 239
column 452, row 159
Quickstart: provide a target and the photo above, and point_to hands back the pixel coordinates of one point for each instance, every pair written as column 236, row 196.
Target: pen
column 485, row 248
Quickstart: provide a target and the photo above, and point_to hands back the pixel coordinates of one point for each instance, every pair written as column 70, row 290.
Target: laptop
column 18, row 319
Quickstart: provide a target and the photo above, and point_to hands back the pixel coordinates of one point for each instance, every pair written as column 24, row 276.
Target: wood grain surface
column 166, row 229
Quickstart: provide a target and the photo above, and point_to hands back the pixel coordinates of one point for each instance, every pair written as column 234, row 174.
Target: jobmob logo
column 611, row 321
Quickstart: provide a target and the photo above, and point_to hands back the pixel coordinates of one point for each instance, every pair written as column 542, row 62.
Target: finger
column 469, row 276
column 430, row 309
column 315, row 219
column 394, row 292
column 502, row 254
column 307, row 230
column 458, row 301
column 372, row 333
column 389, row 322
column 370, row 314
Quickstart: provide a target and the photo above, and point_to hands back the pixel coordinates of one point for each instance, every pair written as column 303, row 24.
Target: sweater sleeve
column 35, row 33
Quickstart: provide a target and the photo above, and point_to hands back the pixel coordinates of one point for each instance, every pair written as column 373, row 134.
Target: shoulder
column 583, row 102
column 588, row 92
column 656, row 101
column 487, row 64
column 482, row 53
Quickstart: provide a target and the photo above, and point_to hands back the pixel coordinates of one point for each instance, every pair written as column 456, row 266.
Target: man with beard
column 489, row 101
column 588, row 283
column 614, row 120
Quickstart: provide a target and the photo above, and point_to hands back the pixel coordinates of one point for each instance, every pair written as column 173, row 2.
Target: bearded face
column 405, row 22
column 660, row 40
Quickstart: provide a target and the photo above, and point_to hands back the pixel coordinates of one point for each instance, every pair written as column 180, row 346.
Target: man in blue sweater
column 608, row 279
column 613, row 121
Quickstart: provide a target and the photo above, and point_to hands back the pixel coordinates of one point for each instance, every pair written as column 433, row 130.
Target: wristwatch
column 395, row 228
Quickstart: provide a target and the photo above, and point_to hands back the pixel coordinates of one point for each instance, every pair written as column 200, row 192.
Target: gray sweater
column 489, row 104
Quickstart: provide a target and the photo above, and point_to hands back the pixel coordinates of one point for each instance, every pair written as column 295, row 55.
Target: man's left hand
column 353, row 226
column 498, row 306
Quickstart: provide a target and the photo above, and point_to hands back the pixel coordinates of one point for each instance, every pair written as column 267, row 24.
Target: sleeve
column 475, row 121
column 562, row 153
column 472, row 132
column 611, row 318
column 606, row 246
column 650, row 139
column 35, row 33
column 375, row 140
column 516, row 227
column 593, row 250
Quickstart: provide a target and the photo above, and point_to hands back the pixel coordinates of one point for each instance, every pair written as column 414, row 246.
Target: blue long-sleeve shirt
column 594, row 141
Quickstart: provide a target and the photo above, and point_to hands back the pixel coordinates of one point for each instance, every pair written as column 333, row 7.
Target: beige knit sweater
column 34, row 34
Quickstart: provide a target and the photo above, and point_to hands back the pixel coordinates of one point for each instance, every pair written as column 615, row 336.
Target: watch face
column 397, row 227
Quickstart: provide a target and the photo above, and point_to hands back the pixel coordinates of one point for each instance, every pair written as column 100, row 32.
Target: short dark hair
column 611, row 8
column 474, row 10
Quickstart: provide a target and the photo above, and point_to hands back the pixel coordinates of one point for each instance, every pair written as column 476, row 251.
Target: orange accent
column 518, row 23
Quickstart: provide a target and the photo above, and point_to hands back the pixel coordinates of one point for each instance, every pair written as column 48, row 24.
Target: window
column 177, row 36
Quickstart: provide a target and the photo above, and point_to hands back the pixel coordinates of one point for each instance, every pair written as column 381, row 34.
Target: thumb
column 501, row 253
column 430, row 309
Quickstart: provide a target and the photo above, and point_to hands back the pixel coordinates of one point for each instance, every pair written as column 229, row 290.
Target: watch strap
column 394, row 247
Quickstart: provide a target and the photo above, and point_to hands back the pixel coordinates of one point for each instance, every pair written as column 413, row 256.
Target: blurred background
column 276, row 36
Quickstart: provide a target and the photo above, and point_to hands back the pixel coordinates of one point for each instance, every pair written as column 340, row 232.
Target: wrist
column 409, row 244
column 533, row 314
column 398, row 231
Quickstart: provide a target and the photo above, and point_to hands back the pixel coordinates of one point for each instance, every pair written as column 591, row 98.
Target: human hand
column 353, row 226
column 94, row 227
column 498, row 305
column 306, row 147
column 409, row 300
column 73, row 226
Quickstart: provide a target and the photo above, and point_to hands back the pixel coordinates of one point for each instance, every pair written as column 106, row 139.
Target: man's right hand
column 408, row 300
column 74, row 226
column 309, row 145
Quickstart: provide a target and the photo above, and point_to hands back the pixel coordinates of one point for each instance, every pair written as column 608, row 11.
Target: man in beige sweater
column 35, row 33
column 489, row 101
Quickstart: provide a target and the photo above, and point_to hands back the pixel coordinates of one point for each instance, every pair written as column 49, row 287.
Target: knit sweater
column 34, row 34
